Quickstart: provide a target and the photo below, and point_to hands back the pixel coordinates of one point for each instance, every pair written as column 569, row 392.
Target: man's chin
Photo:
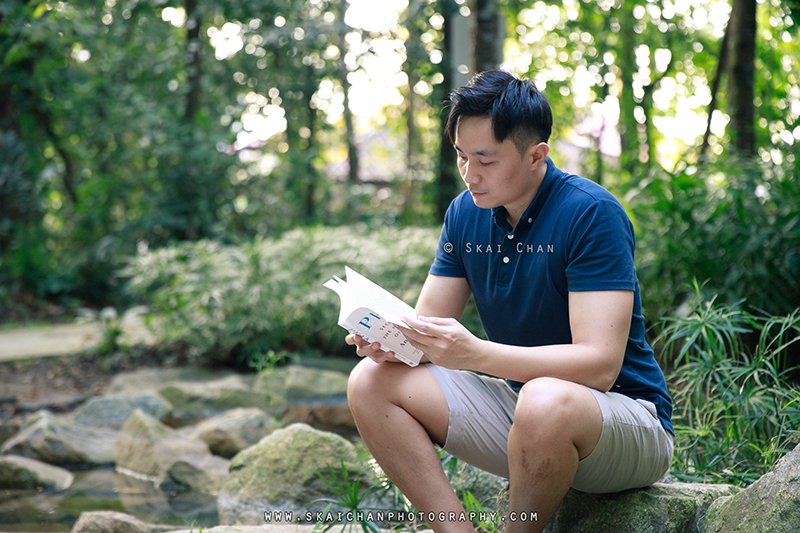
column 482, row 200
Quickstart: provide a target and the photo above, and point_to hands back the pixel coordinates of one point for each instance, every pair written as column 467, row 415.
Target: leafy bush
column 737, row 408
column 735, row 227
column 217, row 300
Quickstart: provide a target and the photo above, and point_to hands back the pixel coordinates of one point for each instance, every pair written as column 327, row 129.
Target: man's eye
column 487, row 163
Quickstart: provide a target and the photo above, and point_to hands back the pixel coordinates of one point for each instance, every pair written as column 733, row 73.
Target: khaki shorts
column 634, row 450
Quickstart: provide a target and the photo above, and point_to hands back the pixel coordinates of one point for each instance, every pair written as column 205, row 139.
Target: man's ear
column 537, row 154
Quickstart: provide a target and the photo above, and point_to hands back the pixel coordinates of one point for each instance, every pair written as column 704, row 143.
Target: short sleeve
column 601, row 246
column 447, row 262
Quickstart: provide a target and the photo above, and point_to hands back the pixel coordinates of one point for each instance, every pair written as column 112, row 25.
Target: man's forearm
column 583, row 364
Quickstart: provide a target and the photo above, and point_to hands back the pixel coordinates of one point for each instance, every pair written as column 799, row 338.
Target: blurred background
column 130, row 126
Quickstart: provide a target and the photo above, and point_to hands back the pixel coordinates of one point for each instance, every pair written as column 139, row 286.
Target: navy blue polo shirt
column 574, row 236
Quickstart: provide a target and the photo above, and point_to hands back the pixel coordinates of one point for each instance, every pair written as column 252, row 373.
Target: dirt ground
column 51, row 382
column 58, row 384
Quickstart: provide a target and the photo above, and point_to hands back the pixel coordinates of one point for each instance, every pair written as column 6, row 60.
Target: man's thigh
column 374, row 387
column 633, row 450
column 481, row 414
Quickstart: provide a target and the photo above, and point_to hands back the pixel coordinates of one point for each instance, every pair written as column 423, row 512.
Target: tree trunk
column 352, row 149
column 414, row 54
column 310, row 192
column 193, row 59
column 487, row 45
column 447, row 182
column 722, row 62
column 628, row 127
column 741, row 75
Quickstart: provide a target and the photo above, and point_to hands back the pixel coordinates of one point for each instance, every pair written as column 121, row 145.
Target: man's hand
column 444, row 341
column 369, row 349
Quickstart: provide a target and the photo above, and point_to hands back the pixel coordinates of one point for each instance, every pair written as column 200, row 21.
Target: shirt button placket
column 510, row 238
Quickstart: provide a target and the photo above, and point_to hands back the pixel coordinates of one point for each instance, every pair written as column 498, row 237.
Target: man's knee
column 361, row 378
column 558, row 411
column 369, row 382
column 543, row 400
column 373, row 388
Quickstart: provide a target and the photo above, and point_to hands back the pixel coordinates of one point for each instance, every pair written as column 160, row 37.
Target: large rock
column 201, row 473
column 57, row 441
column 280, row 474
column 23, row 473
column 660, row 508
column 114, row 409
column 193, row 402
column 152, row 379
column 114, row 522
column 147, row 448
column 301, row 384
column 770, row 505
column 317, row 397
column 233, row 431
column 145, row 500
column 9, row 424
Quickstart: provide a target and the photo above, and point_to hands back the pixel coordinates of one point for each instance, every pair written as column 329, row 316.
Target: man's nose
column 469, row 174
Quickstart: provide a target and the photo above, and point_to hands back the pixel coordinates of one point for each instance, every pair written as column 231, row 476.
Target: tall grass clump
column 216, row 302
column 735, row 225
column 735, row 392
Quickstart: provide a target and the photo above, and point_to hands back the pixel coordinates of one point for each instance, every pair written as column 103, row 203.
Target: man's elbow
column 606, row 376
column 604, row 385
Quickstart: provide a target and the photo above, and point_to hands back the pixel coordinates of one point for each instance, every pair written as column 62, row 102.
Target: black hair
column 515, row 106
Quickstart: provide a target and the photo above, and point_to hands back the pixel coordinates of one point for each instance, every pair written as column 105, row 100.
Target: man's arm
column 443, row 297
column 440, row 296
column 600, row 324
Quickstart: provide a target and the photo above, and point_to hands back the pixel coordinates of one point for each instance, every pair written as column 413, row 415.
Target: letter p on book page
column 370, row 311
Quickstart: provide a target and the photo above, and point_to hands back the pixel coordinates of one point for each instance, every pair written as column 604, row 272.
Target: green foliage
column 348, row 496
column 222, row 300
column 111, row 327
column 737, row 409
column 96, row 133
column 485, row 522
column 736, row 227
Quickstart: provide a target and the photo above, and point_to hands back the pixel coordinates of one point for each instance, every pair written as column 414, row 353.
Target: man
column 578, row 399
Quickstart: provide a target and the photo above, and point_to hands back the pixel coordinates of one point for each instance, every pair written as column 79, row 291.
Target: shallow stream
column 102, row 489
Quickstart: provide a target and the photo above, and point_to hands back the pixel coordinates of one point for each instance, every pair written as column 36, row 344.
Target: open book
column 369, row 310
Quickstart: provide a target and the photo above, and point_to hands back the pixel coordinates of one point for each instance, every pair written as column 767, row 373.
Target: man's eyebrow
column 485, row 152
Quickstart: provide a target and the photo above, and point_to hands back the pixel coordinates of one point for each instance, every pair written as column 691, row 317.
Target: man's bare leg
column 556, row 423
column 400, row 412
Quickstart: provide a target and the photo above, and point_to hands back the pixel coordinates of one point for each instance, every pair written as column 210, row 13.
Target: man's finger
column 416, row 324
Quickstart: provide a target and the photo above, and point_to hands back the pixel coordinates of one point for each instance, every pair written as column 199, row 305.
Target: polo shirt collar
column 529, row 217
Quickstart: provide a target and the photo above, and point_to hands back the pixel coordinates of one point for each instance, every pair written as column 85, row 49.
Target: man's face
column 495, row 173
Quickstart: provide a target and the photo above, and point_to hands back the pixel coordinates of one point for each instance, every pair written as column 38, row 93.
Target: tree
column 447, row 181
column 741, row 55
column 487, row 35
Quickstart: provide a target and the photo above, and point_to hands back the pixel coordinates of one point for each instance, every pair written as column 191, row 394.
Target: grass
column 736, row 398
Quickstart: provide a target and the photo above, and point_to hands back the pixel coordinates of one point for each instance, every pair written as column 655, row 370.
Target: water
column 102, row 490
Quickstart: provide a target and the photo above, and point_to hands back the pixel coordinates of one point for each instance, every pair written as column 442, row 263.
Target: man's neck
column 514, row 213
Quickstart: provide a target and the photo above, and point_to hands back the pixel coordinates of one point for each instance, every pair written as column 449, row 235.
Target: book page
column 369, row 310
column 365, row 292
column 341, row 288
column 375, row 328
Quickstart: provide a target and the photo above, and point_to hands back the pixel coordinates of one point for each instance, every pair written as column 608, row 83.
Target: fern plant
column 350, row 496
column 736, row 403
